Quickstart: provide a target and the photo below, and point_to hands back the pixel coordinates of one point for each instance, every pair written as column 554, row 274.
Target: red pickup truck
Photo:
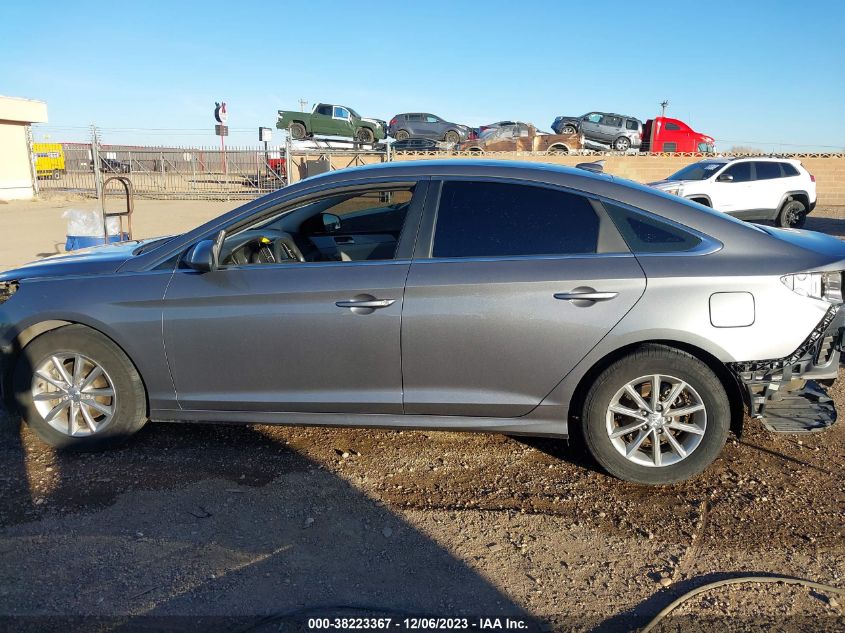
column 662, row 134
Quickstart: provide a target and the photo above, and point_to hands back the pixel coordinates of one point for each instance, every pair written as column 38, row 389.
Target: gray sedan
column 461, row 295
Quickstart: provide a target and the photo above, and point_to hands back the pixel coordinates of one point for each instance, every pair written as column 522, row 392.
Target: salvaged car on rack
column 331, row 120
column 605, row 129
column 522, row 137
column 458, row 295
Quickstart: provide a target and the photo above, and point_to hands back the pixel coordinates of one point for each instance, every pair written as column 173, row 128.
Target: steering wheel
column 286, row 246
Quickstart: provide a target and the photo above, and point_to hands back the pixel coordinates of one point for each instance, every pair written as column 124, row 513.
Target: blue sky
column 763, row 73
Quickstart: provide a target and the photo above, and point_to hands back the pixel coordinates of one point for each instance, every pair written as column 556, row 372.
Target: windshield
column 698, row 171
column 355, row 114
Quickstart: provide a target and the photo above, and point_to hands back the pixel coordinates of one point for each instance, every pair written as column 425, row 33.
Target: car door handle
column 373, row 304
column 587, row 295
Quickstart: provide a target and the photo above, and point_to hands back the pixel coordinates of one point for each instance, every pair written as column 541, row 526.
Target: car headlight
column 675, row 190
column 7, row 289
column 826, row 286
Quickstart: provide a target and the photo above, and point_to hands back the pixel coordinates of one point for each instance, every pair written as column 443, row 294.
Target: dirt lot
column 202, row 527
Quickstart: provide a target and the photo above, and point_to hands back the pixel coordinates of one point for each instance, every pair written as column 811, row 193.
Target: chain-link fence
column 249, row 172
column 166, row 172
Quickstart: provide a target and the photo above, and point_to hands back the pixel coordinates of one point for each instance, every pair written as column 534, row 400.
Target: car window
column 595, row 117
column 673, row 126
column 341, row 113
column 646, row 233
column 484, row 219
column 413, row 117
column 631, row 124
column 324, row 109
column 430, row 118
column 345, row 227
column 766, row 170
column 741, row 172
column 670, row 147
column 789, row 170
column 611, row 121
column 701, row 170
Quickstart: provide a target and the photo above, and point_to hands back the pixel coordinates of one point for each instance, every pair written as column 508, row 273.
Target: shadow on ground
column 212, row 528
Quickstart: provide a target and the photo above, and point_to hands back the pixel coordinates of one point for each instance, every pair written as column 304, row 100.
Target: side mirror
column 331, row 222
column 204, row 256
column 725, row 178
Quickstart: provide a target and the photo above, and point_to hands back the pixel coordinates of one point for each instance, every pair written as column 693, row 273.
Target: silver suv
column 618, row 131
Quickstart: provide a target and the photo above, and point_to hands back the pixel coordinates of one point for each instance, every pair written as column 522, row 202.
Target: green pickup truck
column 331, row 120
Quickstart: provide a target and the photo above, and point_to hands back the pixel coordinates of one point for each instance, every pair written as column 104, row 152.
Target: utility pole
column 302, row 104
column 664, row 104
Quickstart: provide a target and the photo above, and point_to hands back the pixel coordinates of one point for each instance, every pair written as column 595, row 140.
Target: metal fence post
column 95, row 158
column 33, row 170
column 287, row 161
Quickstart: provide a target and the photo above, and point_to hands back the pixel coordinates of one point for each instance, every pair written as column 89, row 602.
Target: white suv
column 778, row 189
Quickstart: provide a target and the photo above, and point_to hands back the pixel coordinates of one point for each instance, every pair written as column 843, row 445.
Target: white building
column 17, row 173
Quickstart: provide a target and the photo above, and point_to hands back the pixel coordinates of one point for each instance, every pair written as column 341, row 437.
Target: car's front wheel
column 568, row 129
column 76, row 389
column 656, row 416
column 364, row 135
column 792, row 215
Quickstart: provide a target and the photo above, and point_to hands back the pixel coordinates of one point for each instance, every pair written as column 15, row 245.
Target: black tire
column 793, row 214
column 130, row 412
column 667, row 362
column 622, row 144
column 402, row 135
column 452, row 137
column 297, row 131
column 568, row 129
column 365, row 135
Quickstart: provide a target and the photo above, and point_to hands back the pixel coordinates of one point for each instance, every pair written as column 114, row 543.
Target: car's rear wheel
column 656, row 416
column 402, row 135
column 452, row 137
column 77, row 389
column 792, row 215
column 297, row 131
column 622, row 144
column 568, row 129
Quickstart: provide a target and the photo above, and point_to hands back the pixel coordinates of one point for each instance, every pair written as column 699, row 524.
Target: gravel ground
column 199, row 527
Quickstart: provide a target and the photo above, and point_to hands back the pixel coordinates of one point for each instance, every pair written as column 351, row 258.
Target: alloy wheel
column 656, row 420
column 74, row 394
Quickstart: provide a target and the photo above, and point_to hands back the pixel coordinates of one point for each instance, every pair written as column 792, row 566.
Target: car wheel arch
column 801, row 196
column 736, row 395
column 701, row 199
column 34, row 330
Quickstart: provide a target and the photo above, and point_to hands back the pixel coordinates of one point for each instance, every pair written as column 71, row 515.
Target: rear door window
column 631, row 124
column 766, row 170
column 487, row 219
column 789, row 170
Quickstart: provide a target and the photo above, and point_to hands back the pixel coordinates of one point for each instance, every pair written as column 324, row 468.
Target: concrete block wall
column 828, row 170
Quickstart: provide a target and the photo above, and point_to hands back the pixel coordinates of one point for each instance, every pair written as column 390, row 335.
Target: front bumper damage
column 784, row 392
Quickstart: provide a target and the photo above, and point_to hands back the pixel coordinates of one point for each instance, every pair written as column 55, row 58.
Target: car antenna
column 596, row 166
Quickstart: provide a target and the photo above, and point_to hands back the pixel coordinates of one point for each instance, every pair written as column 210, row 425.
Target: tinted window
column 482, row 219
column 612, row 121
column 324, row 109
column 648, row 234
column 632, row 125
column 414, row 117
column 741, row 172
column 670, row 147
column 789, row 170
column 767, row 170
column 673, row 126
